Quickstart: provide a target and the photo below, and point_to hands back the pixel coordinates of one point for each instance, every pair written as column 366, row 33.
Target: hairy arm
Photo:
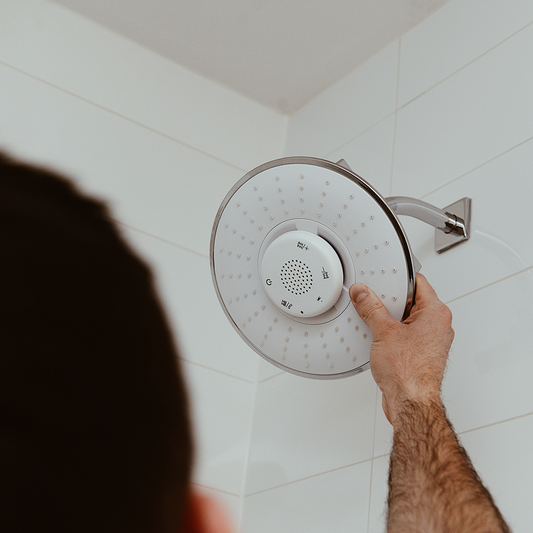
column 433, row 487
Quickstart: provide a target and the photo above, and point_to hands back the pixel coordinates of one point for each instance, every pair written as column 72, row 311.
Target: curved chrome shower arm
column 454, row 222
column 438, row 218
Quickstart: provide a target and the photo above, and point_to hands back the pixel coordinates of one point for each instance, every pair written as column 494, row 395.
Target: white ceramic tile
column 459, row 32
column 347, row 108
column 337, row 502
column 383, row 431
column 267, row 370
column 490, row 365
column 490, row 362
column 154, row 184
column 205, row 335
column 502, row 457
column 304, row 427
column 69, row 51
column 378, row 496
column 221, row 409
column 369, row 155
column 477, row 114
column 501, row 237
column 500, row 246
column 232, row 505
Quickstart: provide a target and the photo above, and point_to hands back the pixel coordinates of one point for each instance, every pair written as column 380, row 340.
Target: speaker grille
column 296, row 277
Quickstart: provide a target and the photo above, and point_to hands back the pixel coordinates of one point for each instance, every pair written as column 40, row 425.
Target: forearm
column 433, row 487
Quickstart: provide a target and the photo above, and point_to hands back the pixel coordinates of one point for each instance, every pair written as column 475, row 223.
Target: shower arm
column 438, row 218
column 453, row 222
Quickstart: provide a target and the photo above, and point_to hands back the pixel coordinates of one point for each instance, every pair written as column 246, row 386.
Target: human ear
column 204, row 514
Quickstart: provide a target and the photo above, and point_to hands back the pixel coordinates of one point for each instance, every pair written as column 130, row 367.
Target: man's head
column 94, row 429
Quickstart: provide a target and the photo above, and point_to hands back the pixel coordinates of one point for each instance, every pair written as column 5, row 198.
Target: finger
column 425, row 294
column 369, row 307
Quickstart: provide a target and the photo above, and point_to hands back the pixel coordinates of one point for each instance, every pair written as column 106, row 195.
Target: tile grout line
column 366, row 130
column 500, row 422
column 159, row 238
column 372, row 464
column 271, row 377
column 375, row 420
column 128, row 119
column 309, row 477
column 213, row 488
column 466, row 65
column 370, row 496
column 477, row 168
column 248, row 451
column 395, row 116
column 204, row 257
column 424, row 92
column 490, row 285
column 199, row 365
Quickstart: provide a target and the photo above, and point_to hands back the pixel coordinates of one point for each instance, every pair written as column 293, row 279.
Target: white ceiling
column 281, row 53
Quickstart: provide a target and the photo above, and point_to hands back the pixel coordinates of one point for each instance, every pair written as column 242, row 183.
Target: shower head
column 288, row 241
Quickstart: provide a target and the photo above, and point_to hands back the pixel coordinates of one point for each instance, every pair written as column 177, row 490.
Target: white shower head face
column 288, row 242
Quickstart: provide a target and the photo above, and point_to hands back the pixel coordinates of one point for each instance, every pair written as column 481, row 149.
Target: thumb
column 369, row 307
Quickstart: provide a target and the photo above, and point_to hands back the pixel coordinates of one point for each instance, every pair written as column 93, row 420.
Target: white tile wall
column 153, row 183
column 466, row 120
column 462, row 126
column 266, row 370
column 185, row 286
column 488, row 376
column 349, row 107
column 369, row 155
column 502, row 188
column 336, row 501
column 223, row 370
column 502, row 456
column 442, row 113
column 462, row 31
column 63, row 49
column 162, row 146
column 378, row 495
column 383, row 434
column 221, row 412
column 304, row 427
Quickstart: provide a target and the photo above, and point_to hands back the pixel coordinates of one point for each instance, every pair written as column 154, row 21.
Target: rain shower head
column 289, row 240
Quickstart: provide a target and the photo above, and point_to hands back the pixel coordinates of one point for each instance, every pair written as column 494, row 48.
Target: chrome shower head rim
column 337, row 169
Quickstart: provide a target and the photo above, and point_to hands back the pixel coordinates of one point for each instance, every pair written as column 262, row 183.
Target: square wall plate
column 444, row 241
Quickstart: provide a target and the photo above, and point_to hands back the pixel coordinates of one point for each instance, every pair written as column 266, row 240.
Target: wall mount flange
column 462, row 209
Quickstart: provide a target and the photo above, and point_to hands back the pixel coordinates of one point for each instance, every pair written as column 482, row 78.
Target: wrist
column 409, row 402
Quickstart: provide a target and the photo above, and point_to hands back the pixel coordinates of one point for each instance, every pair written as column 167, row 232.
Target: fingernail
column 357, row 292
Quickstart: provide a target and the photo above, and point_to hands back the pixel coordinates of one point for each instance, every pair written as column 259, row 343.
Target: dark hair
column 94, row 429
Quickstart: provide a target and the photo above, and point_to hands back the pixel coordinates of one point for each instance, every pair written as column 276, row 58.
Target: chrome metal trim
column 462, row 211
column 434, row 216
column 380, row 200
column 438, row 218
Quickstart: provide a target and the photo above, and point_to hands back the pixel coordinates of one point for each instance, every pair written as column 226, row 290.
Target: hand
column 408, row 358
